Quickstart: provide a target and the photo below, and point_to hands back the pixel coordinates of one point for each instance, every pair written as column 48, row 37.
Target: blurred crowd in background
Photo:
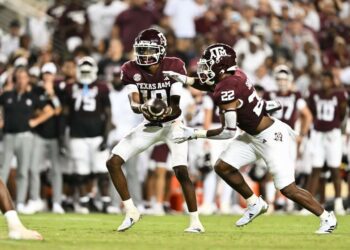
column 310, row 37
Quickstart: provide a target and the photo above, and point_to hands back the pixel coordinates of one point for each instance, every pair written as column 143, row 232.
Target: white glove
column 179, row 77
column 185, row 134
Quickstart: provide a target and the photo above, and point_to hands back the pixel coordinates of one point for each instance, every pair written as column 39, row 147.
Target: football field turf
column 97, row 231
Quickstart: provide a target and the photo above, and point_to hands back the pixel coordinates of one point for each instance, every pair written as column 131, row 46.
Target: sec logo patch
column 137, row 77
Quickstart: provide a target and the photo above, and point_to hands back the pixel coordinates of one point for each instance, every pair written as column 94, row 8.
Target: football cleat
column 24, row 234
column 22, row 209
column 252, row 212
column 195, row 228
column 57, row 208
column 130, row 219
column 328, row 225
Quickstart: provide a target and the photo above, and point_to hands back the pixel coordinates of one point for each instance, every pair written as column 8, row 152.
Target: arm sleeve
column 229, row 129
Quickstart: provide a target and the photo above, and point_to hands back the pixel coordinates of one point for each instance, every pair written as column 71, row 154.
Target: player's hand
column 103, row 146
column 177, row 77
column 185, row 134
column 144, row 111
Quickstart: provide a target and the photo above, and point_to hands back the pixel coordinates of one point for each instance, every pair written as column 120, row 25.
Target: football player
column 144, row 79
column 88, row 109
column 265, row 137
column 328, row 106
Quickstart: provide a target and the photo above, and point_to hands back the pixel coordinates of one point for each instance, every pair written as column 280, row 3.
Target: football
column 155, row 108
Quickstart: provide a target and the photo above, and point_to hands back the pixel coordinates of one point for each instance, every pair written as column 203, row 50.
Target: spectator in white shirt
column 10, row 42
column 102, row 16
column 182, row 14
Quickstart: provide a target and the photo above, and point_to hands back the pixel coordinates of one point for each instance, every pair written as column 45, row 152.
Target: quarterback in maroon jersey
column 328, row 106
column 264, row 137
column 88, row 111
column 145, row 80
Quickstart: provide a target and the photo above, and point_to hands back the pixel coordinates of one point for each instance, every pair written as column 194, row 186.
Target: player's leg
column 81, row 169
column 134, row 143
column 9, row 147
column 333, row 159
column 238, row 153
column 56, row 174
column 38, row 155
column 132, row 177
column 100, row 171
column 159, row 156
column 24, row 146
column 179, row 154
column 276, row 153
column 318, row 160
column 15, row 227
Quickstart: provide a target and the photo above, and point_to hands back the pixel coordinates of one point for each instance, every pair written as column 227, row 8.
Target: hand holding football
column 154, row 109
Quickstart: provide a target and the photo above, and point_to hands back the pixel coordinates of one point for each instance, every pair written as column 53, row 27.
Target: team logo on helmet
column 216, row 60
column 217, row 52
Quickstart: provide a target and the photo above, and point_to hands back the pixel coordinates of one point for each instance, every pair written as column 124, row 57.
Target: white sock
column 270, row 192
column 194, row 217
column 338, row 203
column 12, row 219
column 252, row 199
column 129, row 205
column 324, row 215
column 209, row 187
column 226, row 195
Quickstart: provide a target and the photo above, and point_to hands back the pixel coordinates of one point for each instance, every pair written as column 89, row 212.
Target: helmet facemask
column 147, row 53
column 204, row 71
column 87, row 73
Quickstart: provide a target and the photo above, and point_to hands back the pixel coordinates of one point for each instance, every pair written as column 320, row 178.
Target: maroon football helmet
column 217, row 59
column 150, row 47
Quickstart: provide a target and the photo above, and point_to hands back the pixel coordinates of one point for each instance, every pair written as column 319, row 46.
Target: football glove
column 179, row 77
column 185, row 134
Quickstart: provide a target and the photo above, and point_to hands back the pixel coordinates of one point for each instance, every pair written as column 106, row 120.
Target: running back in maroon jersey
column 152, row 86
column 290, row 102
column 86, row 108
column 252, row 108
column 326, row 109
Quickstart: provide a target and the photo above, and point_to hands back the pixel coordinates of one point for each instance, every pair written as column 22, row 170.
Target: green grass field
column 98, row 232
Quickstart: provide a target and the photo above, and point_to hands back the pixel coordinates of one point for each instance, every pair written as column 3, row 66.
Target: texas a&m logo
column 217, row 52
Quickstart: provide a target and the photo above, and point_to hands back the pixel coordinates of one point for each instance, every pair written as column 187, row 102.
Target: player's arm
column 226, row 131
column 187, row 80
column 108, row 125
column 306, row 120
column 344, row 112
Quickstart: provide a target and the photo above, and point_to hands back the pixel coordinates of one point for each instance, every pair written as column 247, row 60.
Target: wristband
column 189, row 80
column 200, row 133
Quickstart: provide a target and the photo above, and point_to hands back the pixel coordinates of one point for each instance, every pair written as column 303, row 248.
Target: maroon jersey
column 252, row 108
column 291, row 103
column 86, row 108
column 326, row 109
column 152, row 86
